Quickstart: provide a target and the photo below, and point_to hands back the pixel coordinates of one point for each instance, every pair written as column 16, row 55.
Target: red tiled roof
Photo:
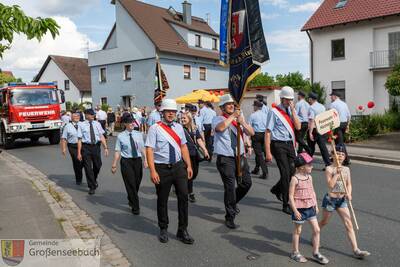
column 7, row 72
column 355, row 10
column 155, row 22
column 76, row 69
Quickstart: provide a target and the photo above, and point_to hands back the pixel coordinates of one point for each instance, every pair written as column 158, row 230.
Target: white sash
column 169, row 138
column 286, row 124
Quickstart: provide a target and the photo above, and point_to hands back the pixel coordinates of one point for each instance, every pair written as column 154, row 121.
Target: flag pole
column 238, row 152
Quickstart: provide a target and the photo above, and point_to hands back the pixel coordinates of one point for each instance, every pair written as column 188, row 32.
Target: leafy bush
column 365, row 127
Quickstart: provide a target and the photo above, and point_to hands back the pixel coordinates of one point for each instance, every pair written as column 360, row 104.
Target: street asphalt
column 264, row 235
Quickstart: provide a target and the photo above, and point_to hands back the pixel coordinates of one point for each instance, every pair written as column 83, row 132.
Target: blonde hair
column 192, row 127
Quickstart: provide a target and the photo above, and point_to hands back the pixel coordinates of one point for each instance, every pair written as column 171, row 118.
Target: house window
column 340, row 88
column 103, row 100
column 187, row 72
column 127, row 72
column 66, row 85
column 198, row 40
column 338, row 49
column 215, row 44
column 103, row 77
column 341, row 3
column 203, row 73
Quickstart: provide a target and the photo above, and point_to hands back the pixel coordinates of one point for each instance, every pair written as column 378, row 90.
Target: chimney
column 187, row 12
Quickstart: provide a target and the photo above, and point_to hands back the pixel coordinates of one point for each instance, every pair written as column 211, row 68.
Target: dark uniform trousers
column 91, row 163
column 172, row 174
column 77, row 164
column 209, row 139
column 284, row 154
column 132, row 173
column 259, row 150
column 300, row 135
column 194, row 160
column 321, row 141
column 340, row 133
column 232, row 194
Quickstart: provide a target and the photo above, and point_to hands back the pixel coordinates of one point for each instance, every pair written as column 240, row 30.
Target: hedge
column 367, row 126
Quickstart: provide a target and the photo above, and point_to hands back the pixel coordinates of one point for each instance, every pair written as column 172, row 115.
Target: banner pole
column 336, row 158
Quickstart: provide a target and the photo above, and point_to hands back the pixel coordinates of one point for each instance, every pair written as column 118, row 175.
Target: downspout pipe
column 311, row 57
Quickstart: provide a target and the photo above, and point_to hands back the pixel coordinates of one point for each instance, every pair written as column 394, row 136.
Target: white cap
column 287, row 92
column 227, row 98
column 169, row 104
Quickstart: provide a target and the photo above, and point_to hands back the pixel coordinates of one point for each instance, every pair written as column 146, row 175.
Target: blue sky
column 90, row 21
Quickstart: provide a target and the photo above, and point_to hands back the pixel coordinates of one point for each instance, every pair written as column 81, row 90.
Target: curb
column 371, row 159
column 75, row 222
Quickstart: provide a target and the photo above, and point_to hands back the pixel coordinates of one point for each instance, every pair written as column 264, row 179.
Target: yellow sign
column 327, row 121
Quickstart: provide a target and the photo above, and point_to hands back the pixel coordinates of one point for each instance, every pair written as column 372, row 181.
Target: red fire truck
column 30, row 110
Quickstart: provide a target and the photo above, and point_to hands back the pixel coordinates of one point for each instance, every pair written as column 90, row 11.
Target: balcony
column 385, row 59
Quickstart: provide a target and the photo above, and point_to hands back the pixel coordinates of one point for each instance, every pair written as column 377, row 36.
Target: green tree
column 319, row 89
column 292, row 79
column 5, row 78
column 263, row 79
column 13, row 20
column 392, row 84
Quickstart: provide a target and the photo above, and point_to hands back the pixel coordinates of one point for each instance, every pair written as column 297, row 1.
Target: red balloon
column 360, row 108
column 371, row 104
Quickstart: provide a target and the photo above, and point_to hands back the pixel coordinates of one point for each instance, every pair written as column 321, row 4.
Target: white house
column 123, row 71
column 71, row 74
column 354, row 45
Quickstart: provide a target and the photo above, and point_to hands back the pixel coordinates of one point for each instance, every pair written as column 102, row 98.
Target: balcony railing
column 384, row 59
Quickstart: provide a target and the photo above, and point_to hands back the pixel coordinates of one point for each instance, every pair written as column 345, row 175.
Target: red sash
column 171, row 133
column 234, row 123
column 286, row 116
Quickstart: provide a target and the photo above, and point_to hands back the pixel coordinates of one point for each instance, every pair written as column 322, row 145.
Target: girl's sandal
column 298, row 257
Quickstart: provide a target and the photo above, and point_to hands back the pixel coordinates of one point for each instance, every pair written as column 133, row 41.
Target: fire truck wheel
column 5, row 139
column 54, row 138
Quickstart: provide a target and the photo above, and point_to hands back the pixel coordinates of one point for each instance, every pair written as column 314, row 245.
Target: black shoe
column 184, row 237
column 91, row 192
column 230, row 224
column 163, row 237
column 263, row 176
column 192, row 199
column 78, row 182
column 135, row 212
column 255, row 171
column 237, row 210
column 278, row 195
column 287, row 210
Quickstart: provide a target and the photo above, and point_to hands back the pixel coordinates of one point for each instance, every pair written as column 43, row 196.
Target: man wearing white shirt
column 302, row 108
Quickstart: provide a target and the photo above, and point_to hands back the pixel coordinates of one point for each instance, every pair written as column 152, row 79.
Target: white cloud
column 269, row 16
column 291, row 41
column 279, row 3
column 27, row 56
column 53, row 7
column 306, row 7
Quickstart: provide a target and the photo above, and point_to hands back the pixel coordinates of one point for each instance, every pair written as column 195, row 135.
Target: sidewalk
column 384, row 149
column 25, row 214
column 34, row 207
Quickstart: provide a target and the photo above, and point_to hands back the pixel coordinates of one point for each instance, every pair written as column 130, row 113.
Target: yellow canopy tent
column 194, row 97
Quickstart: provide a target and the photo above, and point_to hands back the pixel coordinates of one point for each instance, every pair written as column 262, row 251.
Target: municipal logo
column 12, row 251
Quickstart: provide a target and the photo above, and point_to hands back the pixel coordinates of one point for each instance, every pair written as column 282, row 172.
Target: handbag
column 200, row 154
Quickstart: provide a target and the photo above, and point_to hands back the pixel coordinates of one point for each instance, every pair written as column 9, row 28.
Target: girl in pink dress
column 303, row 201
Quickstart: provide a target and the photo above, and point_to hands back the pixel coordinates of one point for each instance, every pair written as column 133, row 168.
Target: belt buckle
column 169, row 166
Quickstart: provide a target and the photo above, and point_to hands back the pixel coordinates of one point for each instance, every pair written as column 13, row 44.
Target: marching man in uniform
column 280, row 142
column 169, row 162
column 225, row 147
column 69, row 138
column 89, row 150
